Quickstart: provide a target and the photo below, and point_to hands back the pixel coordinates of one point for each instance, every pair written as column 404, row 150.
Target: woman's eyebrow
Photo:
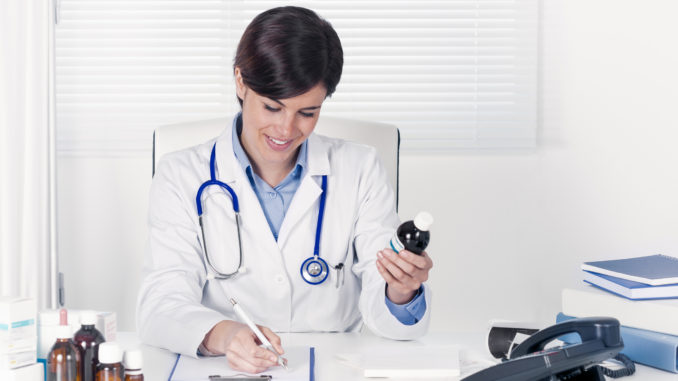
column 277, row 101
column 304, row 108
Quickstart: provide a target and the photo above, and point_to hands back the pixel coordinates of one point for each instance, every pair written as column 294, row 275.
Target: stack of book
column 642, row 293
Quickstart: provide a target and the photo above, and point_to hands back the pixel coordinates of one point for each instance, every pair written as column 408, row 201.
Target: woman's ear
column 240, row 88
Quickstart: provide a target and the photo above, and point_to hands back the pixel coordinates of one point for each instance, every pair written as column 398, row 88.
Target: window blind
column 450, row 74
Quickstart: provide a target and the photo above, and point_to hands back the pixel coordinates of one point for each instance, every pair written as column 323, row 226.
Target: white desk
column 159, row 362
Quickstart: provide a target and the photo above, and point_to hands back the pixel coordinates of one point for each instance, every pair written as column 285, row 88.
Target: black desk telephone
column 529, row 361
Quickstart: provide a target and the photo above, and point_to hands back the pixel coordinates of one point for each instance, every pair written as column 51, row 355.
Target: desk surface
column 158, row 362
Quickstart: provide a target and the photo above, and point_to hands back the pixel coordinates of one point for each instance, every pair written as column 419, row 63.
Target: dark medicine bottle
column 87, row 339
column 63, row 361
column 110, row 363
column 413, row 235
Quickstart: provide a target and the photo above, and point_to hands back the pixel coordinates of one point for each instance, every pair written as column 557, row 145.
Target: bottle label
column 396, row 245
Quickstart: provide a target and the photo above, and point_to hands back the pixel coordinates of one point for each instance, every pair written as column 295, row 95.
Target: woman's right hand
column 241, row 346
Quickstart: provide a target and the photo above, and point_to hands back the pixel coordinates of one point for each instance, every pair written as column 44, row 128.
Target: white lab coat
column 177, row 302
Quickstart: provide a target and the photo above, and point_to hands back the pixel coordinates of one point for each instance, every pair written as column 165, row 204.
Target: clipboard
column 300, row 359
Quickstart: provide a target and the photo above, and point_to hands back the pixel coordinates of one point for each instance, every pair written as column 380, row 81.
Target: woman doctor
column 291, row 188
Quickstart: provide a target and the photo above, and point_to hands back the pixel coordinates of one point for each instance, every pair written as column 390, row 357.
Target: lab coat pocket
column 336, row 299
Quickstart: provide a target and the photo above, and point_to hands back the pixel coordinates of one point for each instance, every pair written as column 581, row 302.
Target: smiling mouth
column 278, row 141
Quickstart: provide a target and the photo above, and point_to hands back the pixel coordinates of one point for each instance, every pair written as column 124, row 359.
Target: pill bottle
column 133, row 363
column 110, row 366
column 87, row 339
column 63, row 361
column 413, row 235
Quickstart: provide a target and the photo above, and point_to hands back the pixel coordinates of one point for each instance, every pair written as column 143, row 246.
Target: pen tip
column 233, row 301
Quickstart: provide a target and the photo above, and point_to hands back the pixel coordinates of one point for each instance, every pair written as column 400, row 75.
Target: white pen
column 264, row 341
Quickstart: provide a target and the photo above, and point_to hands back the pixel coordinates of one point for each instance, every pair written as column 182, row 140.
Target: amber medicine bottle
column 63, row 361
column 133, row 363
column 110, row 366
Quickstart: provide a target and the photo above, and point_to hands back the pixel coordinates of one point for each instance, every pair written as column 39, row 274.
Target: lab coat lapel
column 227, row 164
column 309, row 190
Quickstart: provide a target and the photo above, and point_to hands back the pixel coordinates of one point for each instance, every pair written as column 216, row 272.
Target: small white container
column 17, row 325
column 32, row 372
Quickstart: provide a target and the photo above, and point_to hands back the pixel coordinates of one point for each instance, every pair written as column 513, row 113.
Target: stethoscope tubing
column 306, row 275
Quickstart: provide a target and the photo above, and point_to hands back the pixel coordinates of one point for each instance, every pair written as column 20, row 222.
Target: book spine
column 644, row 347
column 643, row 314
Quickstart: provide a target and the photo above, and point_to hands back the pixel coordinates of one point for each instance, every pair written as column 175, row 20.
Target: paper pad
column 191, row 369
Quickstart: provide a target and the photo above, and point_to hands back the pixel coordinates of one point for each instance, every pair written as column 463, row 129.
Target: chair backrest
column 384, row 137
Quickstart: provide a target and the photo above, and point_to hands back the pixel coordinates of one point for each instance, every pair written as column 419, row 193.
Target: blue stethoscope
column 314, row 270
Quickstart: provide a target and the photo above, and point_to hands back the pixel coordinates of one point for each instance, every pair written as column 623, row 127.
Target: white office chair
column 384, row 137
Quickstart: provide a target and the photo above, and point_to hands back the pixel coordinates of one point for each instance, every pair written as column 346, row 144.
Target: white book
column 655, row 315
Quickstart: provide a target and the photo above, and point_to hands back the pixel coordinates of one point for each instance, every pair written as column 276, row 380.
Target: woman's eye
column 272, row 109
column 306, row 114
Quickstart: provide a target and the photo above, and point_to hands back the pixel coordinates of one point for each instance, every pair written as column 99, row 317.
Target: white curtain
column 26, row 239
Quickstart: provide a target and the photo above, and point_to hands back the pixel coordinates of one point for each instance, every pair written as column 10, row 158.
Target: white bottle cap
column 423, row 221
column 133, row 359
column 109, row 353
column 88, row 317
column 64, row 332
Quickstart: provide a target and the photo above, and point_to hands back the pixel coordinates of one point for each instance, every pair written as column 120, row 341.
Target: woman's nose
column 286, row 126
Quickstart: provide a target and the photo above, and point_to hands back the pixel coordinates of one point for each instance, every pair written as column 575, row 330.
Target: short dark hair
column 286, row 51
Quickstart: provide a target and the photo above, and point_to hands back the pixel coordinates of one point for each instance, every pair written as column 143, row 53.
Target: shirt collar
column 244, row 161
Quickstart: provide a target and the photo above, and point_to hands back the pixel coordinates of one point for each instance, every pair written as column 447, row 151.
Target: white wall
column 511, row 227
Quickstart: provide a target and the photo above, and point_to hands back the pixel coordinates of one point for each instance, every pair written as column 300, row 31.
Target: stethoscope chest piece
column 314, row 270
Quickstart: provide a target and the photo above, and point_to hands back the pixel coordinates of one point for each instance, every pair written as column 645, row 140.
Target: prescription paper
column 191, row 369
column 405, row 363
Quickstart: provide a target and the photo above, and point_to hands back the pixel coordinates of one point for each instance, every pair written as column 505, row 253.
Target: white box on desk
column 18, row 331
column 106, row 323
column 17, row 359
column 32, row 372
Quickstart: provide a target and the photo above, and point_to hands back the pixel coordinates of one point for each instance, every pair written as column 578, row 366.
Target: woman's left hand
column 403, row 272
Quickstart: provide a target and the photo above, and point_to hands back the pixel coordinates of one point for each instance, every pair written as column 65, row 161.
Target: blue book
column 654, row 270
column 630, row 289
column 642, row 346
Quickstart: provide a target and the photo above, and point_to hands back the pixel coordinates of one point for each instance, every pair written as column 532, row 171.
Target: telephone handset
column 529, row 361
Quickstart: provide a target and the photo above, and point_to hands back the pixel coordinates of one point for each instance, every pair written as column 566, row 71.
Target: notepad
column 299, row 361
column 410, row 362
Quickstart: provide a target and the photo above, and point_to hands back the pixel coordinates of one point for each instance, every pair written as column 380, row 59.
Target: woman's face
column 273, row 129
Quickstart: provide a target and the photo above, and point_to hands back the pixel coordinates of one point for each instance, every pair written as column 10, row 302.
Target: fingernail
column 380, row 254
column 273, row 358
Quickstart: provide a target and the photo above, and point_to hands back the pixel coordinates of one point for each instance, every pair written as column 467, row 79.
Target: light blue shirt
column 276, row 200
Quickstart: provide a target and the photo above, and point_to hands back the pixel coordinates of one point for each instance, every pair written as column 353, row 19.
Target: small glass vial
column 63, row 361
column 110, row 366
column 133, row 363
column 413, row 235
column 87, row 339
